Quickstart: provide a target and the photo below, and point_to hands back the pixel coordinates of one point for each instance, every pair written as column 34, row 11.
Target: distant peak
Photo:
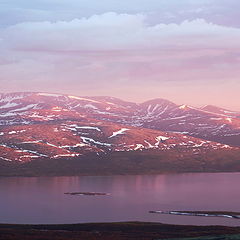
column 158, row 100
column 209, row 107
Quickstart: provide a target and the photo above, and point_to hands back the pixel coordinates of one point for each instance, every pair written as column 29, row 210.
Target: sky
column 187, row 51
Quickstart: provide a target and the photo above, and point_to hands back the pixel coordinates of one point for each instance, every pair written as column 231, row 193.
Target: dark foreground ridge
column 116, row 231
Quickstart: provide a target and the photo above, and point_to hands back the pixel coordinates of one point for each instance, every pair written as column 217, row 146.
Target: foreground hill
column 117, row 231
column 67, row 139
column 49, row 134
column 71, row 147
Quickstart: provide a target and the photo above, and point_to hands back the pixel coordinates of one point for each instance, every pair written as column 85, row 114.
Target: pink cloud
column 122, row 55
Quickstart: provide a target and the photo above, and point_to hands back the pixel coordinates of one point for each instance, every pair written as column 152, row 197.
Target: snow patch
column 67, row 155
column 90, row 140
column 9, row 105
column 90, row 128
column 159, row 139
column 229, row 120
column 74, row 146
column 183, row 107
column 138, row 146
column 121, row 131
column 90, row 106
column 49, row 95
column 30, row 106
column 83, row 99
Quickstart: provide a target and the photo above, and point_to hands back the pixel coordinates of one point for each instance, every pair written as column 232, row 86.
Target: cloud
column 115, row 54
column 223, row 12
column 112, row 31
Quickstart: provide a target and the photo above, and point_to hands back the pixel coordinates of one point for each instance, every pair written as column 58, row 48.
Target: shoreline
column 112, row 231
column 123, row 174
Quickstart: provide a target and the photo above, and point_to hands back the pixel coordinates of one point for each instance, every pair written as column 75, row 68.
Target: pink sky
column 186, row 52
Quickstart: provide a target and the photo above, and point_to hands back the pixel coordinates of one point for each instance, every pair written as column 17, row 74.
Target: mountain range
column 58, row 134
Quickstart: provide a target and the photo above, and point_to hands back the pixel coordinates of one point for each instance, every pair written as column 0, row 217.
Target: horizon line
column 108, row 96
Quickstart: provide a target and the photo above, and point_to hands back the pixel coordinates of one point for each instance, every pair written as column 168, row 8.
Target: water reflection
column 42, row 200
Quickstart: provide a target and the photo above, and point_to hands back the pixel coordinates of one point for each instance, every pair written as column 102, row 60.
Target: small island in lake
column 225, row 214
column 87, row 193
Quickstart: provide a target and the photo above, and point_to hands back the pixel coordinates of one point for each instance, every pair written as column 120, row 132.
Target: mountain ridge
column 117, row 98
column 210, row 123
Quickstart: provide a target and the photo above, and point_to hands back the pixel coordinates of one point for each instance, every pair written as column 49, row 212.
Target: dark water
column 42, row 200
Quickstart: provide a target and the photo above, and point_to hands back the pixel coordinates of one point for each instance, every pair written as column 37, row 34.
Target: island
column 235, row 215
column 87, row 193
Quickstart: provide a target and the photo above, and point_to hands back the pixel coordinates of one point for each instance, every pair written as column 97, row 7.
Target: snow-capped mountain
column 43, row 133
column 199, row 123
column 209, row 123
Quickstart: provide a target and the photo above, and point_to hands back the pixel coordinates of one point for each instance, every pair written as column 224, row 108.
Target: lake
column 42, row 199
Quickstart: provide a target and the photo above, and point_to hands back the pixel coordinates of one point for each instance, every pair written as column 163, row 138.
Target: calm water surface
column 42, row 200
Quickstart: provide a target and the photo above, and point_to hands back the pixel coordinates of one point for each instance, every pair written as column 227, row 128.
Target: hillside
column 117, row 231
column 105, row 135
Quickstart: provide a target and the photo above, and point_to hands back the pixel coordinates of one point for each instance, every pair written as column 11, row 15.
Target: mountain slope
column 23, row 143
column 209, row 123
column 52, row 134
column 222, row 111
